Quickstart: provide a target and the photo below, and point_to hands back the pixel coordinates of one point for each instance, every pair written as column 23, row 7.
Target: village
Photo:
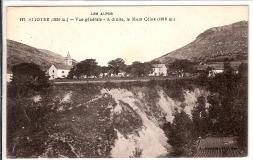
column 117, row 69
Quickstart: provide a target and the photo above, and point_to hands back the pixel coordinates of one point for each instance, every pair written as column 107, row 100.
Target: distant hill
column 19, row 53
column 215, row 44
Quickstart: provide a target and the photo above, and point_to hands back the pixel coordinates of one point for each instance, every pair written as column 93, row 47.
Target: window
column 62, row 71
column 53, row 71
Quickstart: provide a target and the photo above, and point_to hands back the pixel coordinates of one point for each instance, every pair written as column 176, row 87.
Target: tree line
column 90, row 68
column 227, row 114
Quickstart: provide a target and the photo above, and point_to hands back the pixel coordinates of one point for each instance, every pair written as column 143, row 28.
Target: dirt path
column 117, row 80
column 100, row 81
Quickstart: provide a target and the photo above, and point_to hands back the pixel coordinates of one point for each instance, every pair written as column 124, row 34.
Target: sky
column 107, row 40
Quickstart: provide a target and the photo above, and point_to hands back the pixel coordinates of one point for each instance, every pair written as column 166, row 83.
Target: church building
column 61, row 70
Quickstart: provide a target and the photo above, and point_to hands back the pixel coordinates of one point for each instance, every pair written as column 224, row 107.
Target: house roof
column 218, row 147
column 218, row 142
column 216, row 66
column 213, row 66
column 220, row 65
column 201, row 67
column 158, row 65
column 62, row 66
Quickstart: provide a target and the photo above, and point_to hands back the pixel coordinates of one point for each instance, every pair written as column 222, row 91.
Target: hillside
column 98, row 121
column 19, row 52
column 215, row 44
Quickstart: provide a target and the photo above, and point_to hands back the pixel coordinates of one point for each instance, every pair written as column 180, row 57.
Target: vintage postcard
column 126, row 81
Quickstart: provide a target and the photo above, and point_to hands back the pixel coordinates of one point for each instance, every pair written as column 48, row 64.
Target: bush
column 28, row 76
column 179, row 133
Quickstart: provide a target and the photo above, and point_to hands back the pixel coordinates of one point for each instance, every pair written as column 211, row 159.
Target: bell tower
column 68, row 60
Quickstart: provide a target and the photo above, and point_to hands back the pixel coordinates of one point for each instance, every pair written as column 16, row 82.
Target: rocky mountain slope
column 215, row 44
column 95, row 121
column 19, row 52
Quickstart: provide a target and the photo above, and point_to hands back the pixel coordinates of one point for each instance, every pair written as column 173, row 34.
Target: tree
column 203, row 76
column 243, row 71
column 228, row 68
column 199, row 117
column 140, row 69
column 86, row 68
column 117, row 65
column 215, row 113
column 179, row 132
column 182, row 65
column 241, row 105
column 28, row 80
column 27, row 76
column 104, row 70
column 73, row 72
column 228, row 104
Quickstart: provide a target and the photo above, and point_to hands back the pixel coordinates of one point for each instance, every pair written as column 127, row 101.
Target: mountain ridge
column 18, row 52
column 214, row 44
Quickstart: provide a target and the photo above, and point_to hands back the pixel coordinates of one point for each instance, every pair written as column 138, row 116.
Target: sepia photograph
column 126, row 81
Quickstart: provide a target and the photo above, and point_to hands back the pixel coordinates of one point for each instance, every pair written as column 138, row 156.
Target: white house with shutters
column 60, row 70
column 158, row 70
